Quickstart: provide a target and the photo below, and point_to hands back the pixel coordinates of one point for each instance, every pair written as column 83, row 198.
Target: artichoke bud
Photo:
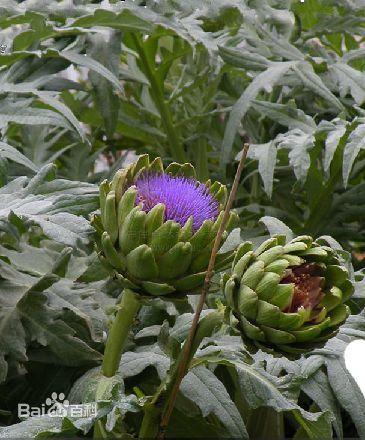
column 103, row 192
column 232, row 221
column 156, row 227
column 165, row 237
column 290, row 295
column 117, row 184
column 110, row 216
column 126, row 204
column 132, row 231
column 187, row 230
column 115, row 259
column 154, row 219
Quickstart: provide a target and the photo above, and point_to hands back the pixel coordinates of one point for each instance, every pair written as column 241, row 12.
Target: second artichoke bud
column 288, row 295
column 157, row 227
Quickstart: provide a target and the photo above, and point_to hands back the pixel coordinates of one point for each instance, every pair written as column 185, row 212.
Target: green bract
column 290, row 295
column 145, row 252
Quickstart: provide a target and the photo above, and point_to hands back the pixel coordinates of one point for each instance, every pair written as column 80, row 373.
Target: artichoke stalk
column 157, row 227
column 288, row 294
column 155, row 233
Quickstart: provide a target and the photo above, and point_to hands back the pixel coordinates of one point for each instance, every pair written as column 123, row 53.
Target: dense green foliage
column 87, row 87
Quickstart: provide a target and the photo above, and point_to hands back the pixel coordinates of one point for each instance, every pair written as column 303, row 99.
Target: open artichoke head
column 288, row 295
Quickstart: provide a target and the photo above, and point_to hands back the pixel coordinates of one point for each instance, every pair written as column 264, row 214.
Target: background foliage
column 84, row 88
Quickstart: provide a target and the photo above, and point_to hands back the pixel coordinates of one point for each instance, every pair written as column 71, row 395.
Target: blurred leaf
column 85, row 61
column 21, row 112
column 107, row 53
column 49, row 99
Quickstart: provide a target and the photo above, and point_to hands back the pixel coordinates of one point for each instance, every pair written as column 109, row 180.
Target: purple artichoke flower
column 158, row 227
column 183, row 197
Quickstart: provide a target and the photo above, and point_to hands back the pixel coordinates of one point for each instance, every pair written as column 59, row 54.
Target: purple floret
column 183, row 197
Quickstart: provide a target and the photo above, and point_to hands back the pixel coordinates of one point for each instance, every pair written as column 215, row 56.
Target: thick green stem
column 127, row 311
column 255, row 188
column 119, row 330
column 175, row 146
column 322, row 206
column 99, row 432
column 202, row 160
column 321, row 209
column 150, row 422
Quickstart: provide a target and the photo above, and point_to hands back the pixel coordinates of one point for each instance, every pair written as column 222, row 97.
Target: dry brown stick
column 208, row 277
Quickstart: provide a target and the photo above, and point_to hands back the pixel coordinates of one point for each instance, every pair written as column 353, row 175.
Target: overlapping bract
column 290, row 295
column 146, row 252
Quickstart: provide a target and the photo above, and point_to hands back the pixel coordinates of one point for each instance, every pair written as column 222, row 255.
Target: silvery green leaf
column 347, row 391
column 332, row 142
column 55, row 205
column 277, row 227
column 354, row 144
column 286, row 115
column 298, row 143
column 203, row 388
column 312, row 81
column 12, row 153
column 134, row 363
column 317, row 387
column 265, row 154
column 350, row 80
column 21, row 112
column 33, row 428
column 263, row 389
column 244, row 59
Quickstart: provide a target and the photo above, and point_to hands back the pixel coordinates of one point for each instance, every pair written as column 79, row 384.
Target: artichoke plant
column 157, row 227
column 290, row 295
